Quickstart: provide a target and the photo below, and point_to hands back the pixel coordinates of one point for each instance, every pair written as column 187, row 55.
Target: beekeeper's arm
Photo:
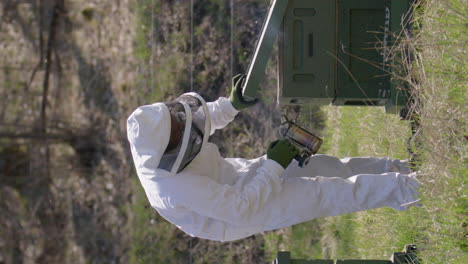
column 223, row 110
column 228, row 203
column 233, row 204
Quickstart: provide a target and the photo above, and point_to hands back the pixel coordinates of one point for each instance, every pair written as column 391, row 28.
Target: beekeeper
column 208, row 196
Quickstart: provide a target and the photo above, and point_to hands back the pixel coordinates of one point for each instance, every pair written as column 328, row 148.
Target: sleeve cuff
column 273, row 167
column 227, row 106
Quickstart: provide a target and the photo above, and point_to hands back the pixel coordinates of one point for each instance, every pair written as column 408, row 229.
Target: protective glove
column 282, row 152
column 236, row 97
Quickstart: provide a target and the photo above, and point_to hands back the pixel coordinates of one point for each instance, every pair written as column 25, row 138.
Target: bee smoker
column 307, row 142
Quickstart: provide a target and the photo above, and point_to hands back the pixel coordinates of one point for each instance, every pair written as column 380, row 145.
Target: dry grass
column 441, row 70
column 76, row 212
column 437, row 77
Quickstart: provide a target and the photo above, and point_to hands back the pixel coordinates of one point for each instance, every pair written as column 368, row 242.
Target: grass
column 443, row 71
column 358, row 132
column 149, row 246
column 162, row 65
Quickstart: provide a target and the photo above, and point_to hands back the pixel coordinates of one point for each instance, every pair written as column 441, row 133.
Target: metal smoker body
column 308, row 143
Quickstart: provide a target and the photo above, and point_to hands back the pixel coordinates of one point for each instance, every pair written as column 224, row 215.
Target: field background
column 72, row 71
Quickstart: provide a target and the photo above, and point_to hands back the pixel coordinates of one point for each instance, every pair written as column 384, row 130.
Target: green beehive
column 336, row 52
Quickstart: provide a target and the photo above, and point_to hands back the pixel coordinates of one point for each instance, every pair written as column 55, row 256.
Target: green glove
column 236, row 97
column 282, row 152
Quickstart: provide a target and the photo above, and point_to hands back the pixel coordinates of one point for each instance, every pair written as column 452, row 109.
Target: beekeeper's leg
column 305, row 198
column 320, row 165
column 372, row 165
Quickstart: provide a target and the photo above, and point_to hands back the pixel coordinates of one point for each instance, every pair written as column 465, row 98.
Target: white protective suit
column 227, row 199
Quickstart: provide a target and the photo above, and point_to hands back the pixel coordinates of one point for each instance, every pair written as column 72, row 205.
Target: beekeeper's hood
column 149, row 131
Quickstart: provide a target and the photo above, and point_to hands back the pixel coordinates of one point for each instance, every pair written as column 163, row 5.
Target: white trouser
column 328, row 186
